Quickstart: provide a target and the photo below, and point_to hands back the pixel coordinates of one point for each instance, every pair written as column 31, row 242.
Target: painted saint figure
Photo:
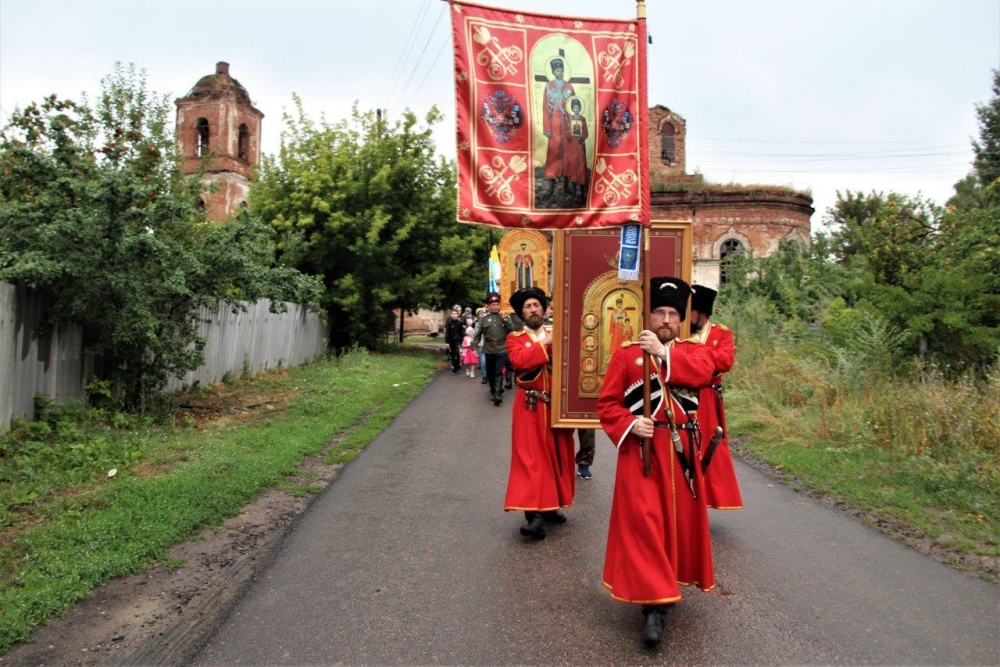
column 555, row 124
column 524, row 265
column 616, row 322
column 576, row 150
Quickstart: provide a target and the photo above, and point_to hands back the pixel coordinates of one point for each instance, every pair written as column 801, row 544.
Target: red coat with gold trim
column 721, row 487
column 658, row 537
column 542, row 465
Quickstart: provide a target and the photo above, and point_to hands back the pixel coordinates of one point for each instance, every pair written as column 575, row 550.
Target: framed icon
column 598, row 312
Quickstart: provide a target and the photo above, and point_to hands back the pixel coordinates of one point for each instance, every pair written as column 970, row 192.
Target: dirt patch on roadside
column 221, row 404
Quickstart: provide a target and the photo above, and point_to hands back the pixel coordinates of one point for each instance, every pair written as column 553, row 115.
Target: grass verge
column 913, row 453
column 61, row 541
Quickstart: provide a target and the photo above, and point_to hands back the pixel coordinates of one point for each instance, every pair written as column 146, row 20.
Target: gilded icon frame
column 585, row 300
column 537, row 245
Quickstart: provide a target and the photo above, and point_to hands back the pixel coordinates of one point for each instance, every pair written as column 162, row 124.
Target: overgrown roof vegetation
column 697, row 183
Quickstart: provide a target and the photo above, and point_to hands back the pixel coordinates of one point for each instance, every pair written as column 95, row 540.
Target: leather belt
column 686, row 426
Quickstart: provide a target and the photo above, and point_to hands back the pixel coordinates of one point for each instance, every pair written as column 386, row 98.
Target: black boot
column 555, row 516
column 496, row 389
column 652, row 634
column 535, row 527
column 509, row 384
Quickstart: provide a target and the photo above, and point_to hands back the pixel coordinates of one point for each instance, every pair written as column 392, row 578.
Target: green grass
column 903, row 443
column 66, row 537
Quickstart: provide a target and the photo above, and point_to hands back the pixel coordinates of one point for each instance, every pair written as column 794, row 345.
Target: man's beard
column 534, row 321
column 665, row 334
column 696, row 326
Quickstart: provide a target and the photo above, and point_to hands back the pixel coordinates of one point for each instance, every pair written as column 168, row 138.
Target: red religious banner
column 550, row 119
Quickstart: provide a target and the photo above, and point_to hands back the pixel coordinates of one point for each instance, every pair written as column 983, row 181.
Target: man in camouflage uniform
column 493, row 329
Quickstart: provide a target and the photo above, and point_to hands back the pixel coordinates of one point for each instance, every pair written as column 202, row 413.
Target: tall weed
column 837, row 407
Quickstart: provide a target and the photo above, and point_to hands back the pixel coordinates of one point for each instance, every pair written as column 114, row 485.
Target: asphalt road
column 408, row 558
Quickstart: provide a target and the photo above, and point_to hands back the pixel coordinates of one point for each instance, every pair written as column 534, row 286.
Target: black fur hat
column 518, row 298
column 702, row 299
column 667, row 291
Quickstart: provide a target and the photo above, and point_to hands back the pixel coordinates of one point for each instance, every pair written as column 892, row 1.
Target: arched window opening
column 667, row 153
column 729, row 246
column 201, row 137
column 244, row 143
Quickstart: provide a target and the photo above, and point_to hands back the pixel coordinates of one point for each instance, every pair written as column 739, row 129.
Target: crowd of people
column 673, row 463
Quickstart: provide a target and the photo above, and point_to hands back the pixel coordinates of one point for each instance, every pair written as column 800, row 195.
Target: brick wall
column 661, row 119
column 759, row 219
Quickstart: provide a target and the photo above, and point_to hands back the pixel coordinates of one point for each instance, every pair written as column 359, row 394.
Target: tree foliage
column 797, row 281
column 932, row 274
column 94, row 211
column 928, row 275
column 987, row 149
column 365, row 204
column 974, row 191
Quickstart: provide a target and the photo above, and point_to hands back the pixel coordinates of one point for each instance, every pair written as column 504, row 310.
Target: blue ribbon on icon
column 628, row 254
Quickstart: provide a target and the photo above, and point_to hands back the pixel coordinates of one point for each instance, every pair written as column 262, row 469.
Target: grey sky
column 823, row 95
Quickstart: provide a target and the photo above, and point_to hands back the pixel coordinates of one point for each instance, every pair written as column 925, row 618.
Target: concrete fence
column 50, row 364
column 53, row 363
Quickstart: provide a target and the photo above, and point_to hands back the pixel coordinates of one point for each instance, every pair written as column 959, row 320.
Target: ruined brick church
column 724, row 218
column 216, row 119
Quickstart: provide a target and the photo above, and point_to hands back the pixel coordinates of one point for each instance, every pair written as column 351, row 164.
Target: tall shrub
column 95, row 210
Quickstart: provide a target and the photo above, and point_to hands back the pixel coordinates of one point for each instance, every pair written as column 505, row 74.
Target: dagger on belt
column 675, row 440
column 717, row 435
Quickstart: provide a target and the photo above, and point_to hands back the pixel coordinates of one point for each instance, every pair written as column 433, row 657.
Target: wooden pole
column 647, row 443
column 644, row 268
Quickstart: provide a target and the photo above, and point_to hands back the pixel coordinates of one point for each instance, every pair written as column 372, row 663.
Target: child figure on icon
column 576, row 151
column 470, row 357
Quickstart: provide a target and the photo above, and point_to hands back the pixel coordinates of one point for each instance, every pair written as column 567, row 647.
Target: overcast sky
column 821, row 95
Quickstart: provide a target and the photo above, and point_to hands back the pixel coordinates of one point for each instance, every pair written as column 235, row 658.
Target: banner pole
column 644, row 267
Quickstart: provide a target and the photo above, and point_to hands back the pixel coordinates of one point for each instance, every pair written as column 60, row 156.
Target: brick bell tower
column 218, row 131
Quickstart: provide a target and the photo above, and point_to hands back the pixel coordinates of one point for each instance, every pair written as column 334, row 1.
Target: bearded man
column 658, row 536
column 542, row 467
column 722, row 491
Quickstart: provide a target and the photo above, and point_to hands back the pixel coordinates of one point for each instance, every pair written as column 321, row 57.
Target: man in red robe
column 658, row 537
column 722, row 491
column 542, row 466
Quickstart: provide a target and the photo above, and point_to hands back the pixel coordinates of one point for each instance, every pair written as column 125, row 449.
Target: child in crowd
column 470, row 357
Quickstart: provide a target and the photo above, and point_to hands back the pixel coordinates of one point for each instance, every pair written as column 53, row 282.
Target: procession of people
column 673, row 457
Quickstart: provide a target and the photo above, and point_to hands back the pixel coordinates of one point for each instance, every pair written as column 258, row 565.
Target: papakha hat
column 521, row 296
column 669, row 291
column 702, row 299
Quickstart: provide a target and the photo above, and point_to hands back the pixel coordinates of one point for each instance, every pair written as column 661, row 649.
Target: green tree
column 970, row 192
column 932, row 273
column 797, row 281
column 987, row 149
column 958, row 290
column 365, row 204
column 94, row 211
